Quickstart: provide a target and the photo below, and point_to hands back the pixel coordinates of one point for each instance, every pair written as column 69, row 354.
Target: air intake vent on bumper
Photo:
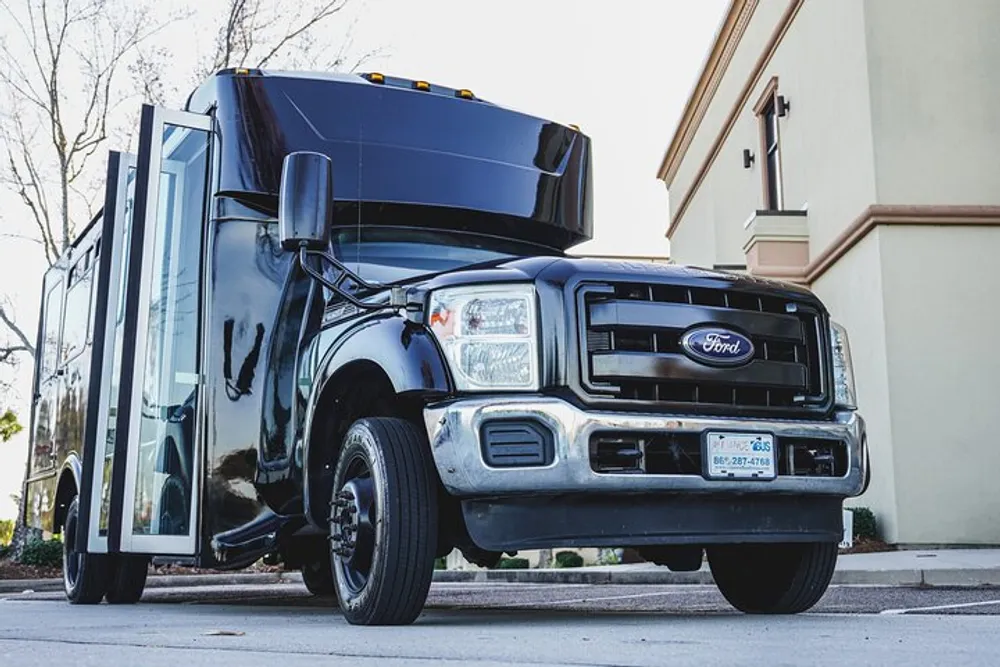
column 516, row 444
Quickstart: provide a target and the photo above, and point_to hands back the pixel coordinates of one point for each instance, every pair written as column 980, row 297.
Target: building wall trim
column 755, row 75
column 724, row 46
column 883, row 214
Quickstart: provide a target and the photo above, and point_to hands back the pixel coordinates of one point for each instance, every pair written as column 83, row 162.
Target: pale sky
column 620, row 70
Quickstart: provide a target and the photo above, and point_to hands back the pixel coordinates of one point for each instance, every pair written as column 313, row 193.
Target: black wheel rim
column 352, row 525
column 71, row 559
column 173, row 509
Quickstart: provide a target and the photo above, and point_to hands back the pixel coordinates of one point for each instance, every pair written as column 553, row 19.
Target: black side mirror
column 305, row 203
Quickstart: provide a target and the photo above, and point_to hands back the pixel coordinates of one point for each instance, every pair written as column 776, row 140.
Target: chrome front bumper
column 453, row 430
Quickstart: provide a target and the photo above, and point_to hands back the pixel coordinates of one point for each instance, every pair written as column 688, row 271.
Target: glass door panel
column 162, row 476
column 109, row 335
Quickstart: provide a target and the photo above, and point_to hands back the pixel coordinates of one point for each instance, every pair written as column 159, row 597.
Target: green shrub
column 4, row 550
column 42, row 553
column 6, row 531
column 513, row 564
column 569, row 559
column 609, row 557
column 864, row 523
column 440, row 564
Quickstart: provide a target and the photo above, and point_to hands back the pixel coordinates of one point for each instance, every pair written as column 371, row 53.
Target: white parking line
column 941, row 607
column 602, row 599
column 501, row 584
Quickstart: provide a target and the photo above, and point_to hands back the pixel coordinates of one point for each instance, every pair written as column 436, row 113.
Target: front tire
column 384, row 522
column 773, row 578
column 85, row 575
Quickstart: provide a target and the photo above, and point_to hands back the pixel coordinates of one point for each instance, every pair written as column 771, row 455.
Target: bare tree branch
column 26, row 345
column 320, row 15
column 259, row 33
column 49, row 130
column 21, row 237
column 72, row 72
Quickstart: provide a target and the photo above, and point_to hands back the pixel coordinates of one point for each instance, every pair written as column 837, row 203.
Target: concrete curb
column 167, row 581
column 949, row 578
column 573, row 576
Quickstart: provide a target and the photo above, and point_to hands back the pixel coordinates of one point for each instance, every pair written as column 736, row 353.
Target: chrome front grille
column 631, row 349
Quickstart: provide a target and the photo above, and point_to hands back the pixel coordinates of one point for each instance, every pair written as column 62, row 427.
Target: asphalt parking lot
column 505, row 624
column 581, row 598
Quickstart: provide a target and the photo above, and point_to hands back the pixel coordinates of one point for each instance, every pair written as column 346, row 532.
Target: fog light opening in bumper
column 815, row 458
column 517, row 443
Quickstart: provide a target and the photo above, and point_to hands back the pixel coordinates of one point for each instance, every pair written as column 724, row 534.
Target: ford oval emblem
column 717, row 347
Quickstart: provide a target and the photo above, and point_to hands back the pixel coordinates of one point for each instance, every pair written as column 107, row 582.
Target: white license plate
column 740, row 455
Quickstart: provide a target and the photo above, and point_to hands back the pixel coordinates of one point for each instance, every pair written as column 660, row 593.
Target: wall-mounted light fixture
column 784, row 106
column 747, row 158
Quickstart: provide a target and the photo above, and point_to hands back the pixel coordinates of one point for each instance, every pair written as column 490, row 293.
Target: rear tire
column 384, row 522
column 128, row 579
column 85, row 575
column 773, row 578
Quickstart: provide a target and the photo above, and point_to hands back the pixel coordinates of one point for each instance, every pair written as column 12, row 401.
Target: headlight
column 843, row 370
column 489, row 335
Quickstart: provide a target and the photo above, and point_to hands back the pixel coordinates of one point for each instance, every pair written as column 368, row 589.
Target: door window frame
column 146, row 214
column 109, row 281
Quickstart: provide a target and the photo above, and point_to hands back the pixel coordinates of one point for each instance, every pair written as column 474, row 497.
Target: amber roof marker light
column 421, row 85
column 465, row 94
column 376, row 77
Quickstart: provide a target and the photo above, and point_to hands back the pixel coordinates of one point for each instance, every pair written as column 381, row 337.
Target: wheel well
column 357, row 390
column 65, row 493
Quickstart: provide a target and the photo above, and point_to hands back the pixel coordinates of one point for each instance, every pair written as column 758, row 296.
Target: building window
column 767, row 114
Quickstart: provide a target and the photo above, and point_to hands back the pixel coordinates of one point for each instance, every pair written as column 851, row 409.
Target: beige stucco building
column 854, row 146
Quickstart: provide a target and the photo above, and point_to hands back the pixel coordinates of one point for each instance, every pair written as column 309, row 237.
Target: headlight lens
column 843, row 369
column 489, row 335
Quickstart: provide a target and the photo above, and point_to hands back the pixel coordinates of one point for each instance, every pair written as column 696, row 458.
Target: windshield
column 393, row 254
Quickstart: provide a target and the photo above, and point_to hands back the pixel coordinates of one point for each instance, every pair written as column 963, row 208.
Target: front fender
column 407, row 353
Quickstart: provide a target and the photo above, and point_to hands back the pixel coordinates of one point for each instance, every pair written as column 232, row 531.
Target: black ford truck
column 330, row 321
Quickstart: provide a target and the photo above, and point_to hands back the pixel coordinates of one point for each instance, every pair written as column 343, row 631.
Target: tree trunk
column 23, row 534
column 64, row 186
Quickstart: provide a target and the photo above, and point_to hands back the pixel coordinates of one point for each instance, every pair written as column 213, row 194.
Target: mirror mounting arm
column 335, row 285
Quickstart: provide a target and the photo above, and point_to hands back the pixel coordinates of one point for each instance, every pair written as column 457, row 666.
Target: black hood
column 584, row 269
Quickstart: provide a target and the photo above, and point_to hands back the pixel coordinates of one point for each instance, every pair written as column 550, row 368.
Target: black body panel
column 246, row 285
column 437, row 159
